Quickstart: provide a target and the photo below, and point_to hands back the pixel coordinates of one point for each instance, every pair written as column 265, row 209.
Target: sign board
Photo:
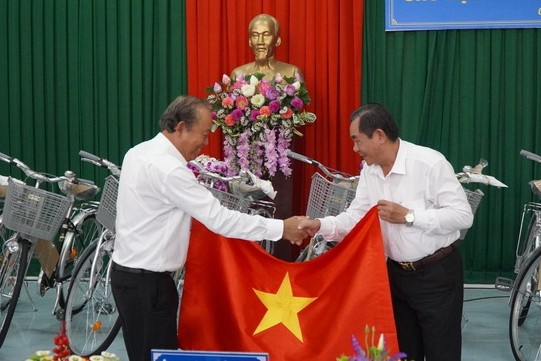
column 179, row 355
column 401, row 15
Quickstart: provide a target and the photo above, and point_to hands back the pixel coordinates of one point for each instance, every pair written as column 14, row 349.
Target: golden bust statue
column 263, row 38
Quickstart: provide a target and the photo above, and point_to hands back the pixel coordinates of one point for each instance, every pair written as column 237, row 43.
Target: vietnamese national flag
column 237, row 297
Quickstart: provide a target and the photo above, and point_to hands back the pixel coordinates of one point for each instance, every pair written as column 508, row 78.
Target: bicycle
column 330, row 194
column 525, row 298
column 33, row 215
column 92, row 321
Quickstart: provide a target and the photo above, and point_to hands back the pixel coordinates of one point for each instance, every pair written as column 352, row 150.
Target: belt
column 433, row 258
column 140, row 271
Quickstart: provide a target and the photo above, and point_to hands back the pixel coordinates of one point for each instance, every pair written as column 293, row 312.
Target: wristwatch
column 410, row 217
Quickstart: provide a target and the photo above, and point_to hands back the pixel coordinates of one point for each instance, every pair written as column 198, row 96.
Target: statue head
column 264, row 36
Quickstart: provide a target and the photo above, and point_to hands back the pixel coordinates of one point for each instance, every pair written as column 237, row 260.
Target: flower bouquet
column 258, row 119
column 373, row 352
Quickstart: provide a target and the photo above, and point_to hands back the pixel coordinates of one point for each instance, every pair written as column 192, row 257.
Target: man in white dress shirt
column 158, row 197
column 422, row 208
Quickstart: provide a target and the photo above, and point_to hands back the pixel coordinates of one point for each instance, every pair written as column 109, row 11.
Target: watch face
column 409, row 217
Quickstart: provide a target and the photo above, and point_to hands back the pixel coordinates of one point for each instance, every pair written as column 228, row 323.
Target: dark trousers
column 427, row 307
column 147, row 304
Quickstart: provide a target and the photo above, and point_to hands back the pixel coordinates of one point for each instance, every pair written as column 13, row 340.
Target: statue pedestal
column 284, row 209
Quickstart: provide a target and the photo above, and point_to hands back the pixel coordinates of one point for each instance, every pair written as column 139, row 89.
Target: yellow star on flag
column 282, row 307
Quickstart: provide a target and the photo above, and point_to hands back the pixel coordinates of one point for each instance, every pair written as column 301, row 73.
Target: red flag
column 237, row 297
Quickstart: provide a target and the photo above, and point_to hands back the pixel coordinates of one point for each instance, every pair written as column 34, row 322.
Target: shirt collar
column 399, row 166
column 169, row 147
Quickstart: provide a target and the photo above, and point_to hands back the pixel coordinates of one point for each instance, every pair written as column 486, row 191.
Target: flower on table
column 258, row 119
column 373, row 352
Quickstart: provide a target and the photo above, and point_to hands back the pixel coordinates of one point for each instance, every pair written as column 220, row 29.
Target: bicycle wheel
column 317, row 246
column 12, row 270
column 532, row 240
column 92, row 321
column 85, row 230
column 525, row 317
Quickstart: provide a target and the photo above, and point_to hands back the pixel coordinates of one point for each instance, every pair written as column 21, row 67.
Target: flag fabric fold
column 237, row 297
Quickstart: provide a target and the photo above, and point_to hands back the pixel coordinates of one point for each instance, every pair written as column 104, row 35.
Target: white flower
column 96, row 358
column 297, row 85
column 248, row 90
column 109, row 355
column 42, row 353
column 75, row 358
column 253, row 80
column 381, row 343
column 258, row 100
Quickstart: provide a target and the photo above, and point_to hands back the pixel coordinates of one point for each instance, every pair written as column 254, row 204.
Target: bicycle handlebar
column 308, row 160
column 530, row 155
column 68, row 176
column 69, row 184
column 207, row 173
column 99, row 162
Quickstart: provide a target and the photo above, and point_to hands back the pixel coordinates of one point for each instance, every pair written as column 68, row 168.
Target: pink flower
column 229, row 120
column 265, row 110
column 297, row 103
column 263, row 86
column 242, row 102
column 237, row 114
column 226, row 80
column 227, row 102
column 288, row 113
column 254, row 114
column 290, row 89
column 272, row 93
column 217, row 88
column 274, row 106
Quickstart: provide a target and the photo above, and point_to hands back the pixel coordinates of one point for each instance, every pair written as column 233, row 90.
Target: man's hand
column 391, row 212
column 311, row 226
column 293, row 232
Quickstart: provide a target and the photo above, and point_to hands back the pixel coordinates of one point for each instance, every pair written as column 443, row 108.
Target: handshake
column 298, row 228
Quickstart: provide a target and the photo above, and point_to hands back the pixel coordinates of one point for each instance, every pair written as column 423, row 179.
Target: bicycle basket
column 106, row 213
column 34, row 212
column 230, row 201
column 327, row 198
column 474, row 198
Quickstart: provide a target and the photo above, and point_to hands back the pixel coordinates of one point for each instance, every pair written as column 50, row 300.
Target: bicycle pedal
column 504, row 284
column 44, row 283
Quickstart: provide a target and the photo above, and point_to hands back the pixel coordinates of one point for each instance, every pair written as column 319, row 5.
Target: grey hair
column 183, row 109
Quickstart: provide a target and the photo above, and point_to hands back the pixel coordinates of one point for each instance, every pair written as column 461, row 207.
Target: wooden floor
column 485, row 335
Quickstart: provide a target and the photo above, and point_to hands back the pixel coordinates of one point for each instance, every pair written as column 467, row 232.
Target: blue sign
column 403, row 15
column 170, row 355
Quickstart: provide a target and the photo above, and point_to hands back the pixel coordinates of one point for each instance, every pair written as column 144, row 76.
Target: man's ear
column 278, row 41
column 181, row 126
column 380, row 134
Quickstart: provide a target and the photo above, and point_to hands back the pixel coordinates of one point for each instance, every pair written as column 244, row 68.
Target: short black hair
column 375, row 116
